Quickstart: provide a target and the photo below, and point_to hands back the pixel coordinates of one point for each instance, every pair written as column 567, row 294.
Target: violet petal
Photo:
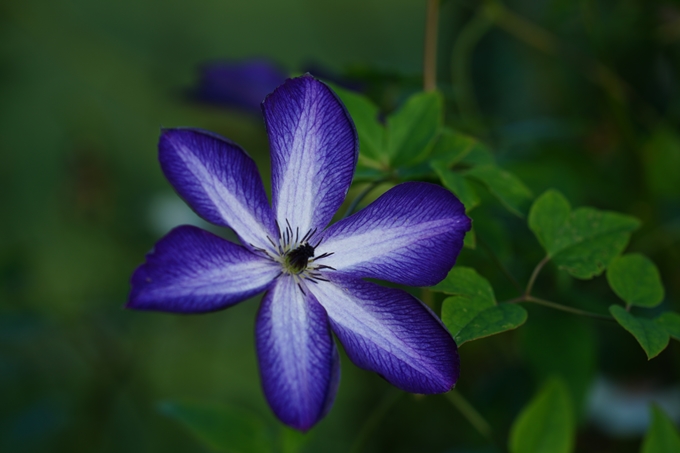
column 220, row 181
column 299, row 364
column 242, row 84
column 193, row 271
column 411, row 235
column 390, row 332
column 314, row 148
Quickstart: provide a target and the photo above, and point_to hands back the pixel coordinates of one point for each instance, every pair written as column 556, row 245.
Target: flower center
column 296, row 260
column 296, row 255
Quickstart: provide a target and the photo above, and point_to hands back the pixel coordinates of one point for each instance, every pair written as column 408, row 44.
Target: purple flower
column 242, row 84
column 313, row 276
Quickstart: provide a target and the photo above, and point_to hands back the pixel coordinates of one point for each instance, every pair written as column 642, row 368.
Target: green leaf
column 554, row 344
column 221, row 428
column 365, row 173
column 509, row 190
column 371, row 132
column 546, row 424
column 652, row 337
column 470, row 239
column 457, row 184
column 465, row 281
column 472, row 312
column 662, row 436
column 469, row 320
column 459, row 311
column 584, row 242
column 547, row 215
column 670, row 321
column 480, row 154
column 452, row 146
column 636, row 280
column 412, row 130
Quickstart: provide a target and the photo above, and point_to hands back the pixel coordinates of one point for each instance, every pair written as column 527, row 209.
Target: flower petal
column 411, row 235
column 314, row 148
column 299, row 363
column 388, row 331
column 219, row 181
column 240, row 84
column 193, row 271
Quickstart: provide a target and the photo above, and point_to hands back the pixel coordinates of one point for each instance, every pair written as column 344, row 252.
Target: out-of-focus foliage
column 546, row 424
column 663, row 436
column 540, row 106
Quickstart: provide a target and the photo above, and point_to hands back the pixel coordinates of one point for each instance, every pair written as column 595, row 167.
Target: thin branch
column 534, row 274
column 430, row 52
column 374, row 419
column 548, row 43
column 568, row 309
column 560, row 307
column 461, row 56
column 470, row 413
column 499, row 263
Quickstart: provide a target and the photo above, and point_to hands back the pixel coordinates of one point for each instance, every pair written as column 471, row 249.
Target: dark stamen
column 298, row 259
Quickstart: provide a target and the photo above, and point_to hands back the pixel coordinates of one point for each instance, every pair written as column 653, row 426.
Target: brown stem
column 430, row 53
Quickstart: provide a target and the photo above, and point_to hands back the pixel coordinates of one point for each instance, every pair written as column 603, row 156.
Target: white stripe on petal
column 233, row 209
column 314, row 150
column 298, row 362
column 193, row 271
column 390, row 332
column 220, row 182
column 411, row 235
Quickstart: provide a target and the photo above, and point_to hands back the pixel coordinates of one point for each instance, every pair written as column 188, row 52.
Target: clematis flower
column 313, row 276
column 241, row 84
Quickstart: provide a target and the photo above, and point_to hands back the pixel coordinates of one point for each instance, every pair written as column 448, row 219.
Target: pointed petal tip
column 191, row 270
column 218, row 180
column 314, row 150
column 302, row 427
column 412, row 235
column 183, row 132
column 390, row 332
column 298, row 361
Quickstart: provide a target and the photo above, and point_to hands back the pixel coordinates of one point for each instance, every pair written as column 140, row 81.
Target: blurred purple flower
column 313, row 276
column 241, row 85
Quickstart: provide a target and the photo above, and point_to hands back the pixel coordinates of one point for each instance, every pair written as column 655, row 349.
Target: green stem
column 546, row 42
column 534, row 275
column 352, row 207
column 430, row 52
column 374, row 419
column 470, row 413
column 461, row 56
column 560, row 307
column 498, row 262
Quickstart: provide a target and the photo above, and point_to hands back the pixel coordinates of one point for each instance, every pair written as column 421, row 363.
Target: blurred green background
column 578, row 95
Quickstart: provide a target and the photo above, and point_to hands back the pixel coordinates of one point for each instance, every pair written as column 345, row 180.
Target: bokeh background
column 577, row 95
